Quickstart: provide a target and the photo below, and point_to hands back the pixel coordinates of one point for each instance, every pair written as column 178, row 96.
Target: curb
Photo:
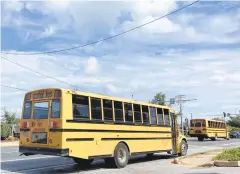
column 219, row 163
column 5, row 144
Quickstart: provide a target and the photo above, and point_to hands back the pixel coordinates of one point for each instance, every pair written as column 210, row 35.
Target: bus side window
column 137, row 113
column 145, row 114
column 128, row 112
column 160, row 116
column 80, row 107
column 107, row 110
column 166, row 116
column 153, row 116
column 118, row 108
column 96, row 109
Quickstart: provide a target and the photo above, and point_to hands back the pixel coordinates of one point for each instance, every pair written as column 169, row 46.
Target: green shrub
column 230, row 128
column 232, row 154
column 5, row 130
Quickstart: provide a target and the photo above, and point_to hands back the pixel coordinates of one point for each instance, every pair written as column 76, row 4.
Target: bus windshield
column 40, row 110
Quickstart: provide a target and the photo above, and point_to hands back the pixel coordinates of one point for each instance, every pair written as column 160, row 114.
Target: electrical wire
column 20, row 89
column 107, row 38
column 39, row 72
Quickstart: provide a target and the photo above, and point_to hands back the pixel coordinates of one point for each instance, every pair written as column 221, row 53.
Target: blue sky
column 195, row 52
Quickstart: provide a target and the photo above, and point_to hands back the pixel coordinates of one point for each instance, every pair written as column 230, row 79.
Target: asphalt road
column 12, row 162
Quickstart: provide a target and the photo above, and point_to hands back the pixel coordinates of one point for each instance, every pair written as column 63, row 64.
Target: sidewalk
column 203, row 159
column 5, row 144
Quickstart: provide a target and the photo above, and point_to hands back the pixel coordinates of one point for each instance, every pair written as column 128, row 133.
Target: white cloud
column 92, row 66
column 140, row 63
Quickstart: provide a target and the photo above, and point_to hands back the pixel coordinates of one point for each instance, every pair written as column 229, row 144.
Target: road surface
column 12, row 162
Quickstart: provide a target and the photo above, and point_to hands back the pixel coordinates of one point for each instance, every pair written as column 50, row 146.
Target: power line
column 20, row 89
column 39, row 72
column 107, row 38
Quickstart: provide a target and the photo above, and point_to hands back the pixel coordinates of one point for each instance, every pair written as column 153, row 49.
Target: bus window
column 137, row 113
column 203, row 124
column 80, row 107
column 198, row 124
column 160, row 116
column 40, row 110
column 166, row 117
column 55, row 113
column 153, row 116
column 128, row 112
column 191, row 123
column 145, row 114
column 107, row 110
column 96, row 109
column 27, row 110
column 118, row 108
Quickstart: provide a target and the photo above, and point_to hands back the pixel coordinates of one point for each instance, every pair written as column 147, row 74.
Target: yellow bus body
column 88, row 138
column 206, row 128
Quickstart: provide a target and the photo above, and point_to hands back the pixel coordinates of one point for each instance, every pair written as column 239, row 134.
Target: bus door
column 174, row 133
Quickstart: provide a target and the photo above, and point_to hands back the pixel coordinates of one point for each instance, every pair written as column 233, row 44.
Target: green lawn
column 229, row 155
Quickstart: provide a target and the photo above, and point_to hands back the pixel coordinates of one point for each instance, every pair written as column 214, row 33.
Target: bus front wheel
column 84, row 163
column 200, row 138
column 121, row 157
column 183, row 148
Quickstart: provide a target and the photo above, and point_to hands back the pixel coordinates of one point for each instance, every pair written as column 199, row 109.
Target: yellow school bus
column 213, row 129
column 85, row 126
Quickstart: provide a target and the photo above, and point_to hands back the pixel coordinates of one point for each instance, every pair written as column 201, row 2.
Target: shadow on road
column 68, row 166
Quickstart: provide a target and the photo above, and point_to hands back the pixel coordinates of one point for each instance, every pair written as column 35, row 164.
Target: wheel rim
column 184, row 148
column 122, row 155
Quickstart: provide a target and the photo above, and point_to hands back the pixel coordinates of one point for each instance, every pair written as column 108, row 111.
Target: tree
column 9, row 117
column 159, row 99
column 218, row 119
column 234, row 121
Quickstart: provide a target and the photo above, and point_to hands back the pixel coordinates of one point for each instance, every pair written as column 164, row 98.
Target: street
column 11, row 161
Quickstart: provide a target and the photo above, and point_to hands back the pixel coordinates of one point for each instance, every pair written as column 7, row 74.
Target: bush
column 6, row 130
column 229, row 155
column 230, row 128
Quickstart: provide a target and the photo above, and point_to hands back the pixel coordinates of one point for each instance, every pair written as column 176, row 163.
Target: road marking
column 8, row 152
column 28, row 159
column 231, row 143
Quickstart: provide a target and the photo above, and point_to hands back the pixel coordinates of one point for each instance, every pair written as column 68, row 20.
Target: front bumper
column 43, row 151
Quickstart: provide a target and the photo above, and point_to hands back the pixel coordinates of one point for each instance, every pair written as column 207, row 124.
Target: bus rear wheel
column 83, row 163
column 121, row 157
column 200, row 138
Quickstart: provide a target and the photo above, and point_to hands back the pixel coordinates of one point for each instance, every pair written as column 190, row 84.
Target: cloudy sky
column 195, row 52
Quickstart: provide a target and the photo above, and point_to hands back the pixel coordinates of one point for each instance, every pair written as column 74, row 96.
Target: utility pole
column 191, row 116
column 180, row 102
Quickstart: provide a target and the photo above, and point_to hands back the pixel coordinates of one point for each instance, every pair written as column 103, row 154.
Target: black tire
column 183, row 148
column 121, row 157
column 150, row 155
column 83, row 163
column 213, row 139
column 200, row 138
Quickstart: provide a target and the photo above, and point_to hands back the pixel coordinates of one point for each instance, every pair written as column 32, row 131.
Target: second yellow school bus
column 85, row 126
column 204, row 128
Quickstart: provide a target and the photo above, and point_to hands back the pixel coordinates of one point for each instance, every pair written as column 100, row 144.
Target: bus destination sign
column 43, row 94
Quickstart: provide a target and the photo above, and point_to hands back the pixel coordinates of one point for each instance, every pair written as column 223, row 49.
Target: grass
column 232, row 154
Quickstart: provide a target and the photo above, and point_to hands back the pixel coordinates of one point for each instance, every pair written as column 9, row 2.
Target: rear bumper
column 43, row 151
column 199, row 135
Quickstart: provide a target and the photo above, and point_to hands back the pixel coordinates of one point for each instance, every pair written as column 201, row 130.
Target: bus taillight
column 26, row 124
column 54, row 124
